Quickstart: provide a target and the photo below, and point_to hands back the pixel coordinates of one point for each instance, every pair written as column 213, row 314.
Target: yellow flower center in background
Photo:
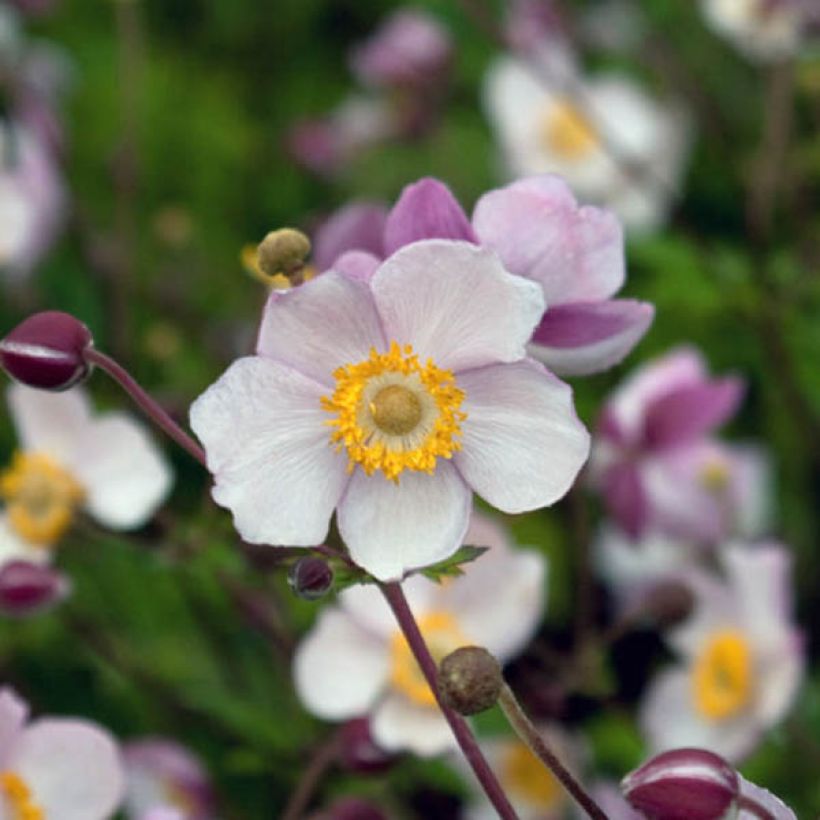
column 567, row 133
column 715, row 476
column 40, row 497
column 391, row 413
column 443, row 636
column 523, row 775
column 18, row 797
column 722, row 676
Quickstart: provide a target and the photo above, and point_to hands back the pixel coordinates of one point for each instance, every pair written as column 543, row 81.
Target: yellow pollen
column 567, row 133
column 391, row 413
column 19, row 798
column 40, row 497
column 443, row 636
column 722, row 676
column 525, row 778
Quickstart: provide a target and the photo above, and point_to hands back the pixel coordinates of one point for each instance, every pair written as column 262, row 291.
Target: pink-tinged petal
column 72, row 767
column 123, row 472
column 399, row 724
column 13, row 714
column 267, row 443
column 339, row 668
column 522, row 443
column 613, row 804
column 538, row 229
column 689, row 412
column 358, row 226
column 625, row 498
column 391, row 527
column 327, row 322
column 455, row 304
column 754, row 797
column 684, row 784
column 609, row 427
column 426, row 209
column 587, row 337
column 357, row 265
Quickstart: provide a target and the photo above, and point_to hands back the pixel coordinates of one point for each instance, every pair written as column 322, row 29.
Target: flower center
column 391, row 413
column 442, row 636
column 525, row 777
column 715, row 476
column 722, row 676
column 567, row 133
column 18, row 797
column 40, row 497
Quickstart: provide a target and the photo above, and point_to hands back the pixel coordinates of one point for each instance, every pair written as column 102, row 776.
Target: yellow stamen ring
column 393, row 414
column 722, row 676
column 524, row 777
column 40, row 497
column 19, row 797
column 567, row 133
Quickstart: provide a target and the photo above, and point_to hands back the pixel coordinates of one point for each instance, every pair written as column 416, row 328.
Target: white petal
column 15, row 548
column 399, row 724
column 455, row 303
column 267, row 443
column 122, row 470
column 49, row 422
column 13, row 714
column 391, row 527
column 72, row 767
column 315, row 328
column 523, row 445
column 340, row 668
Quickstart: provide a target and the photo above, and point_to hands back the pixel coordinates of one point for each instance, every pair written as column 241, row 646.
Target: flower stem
column 532, row 737
column 322, row 760
column 466, row 740
column 146, row 403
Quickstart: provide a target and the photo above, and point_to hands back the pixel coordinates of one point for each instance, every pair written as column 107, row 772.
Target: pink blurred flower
column 539, row 231
column 741, row 658
column 59, row 767
column 390, row 401
column 28, row 588
column 163, row 776
column 652, row 434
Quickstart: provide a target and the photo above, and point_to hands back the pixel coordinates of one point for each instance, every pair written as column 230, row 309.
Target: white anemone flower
column 741, row 659
column 356, row 661
column 55, row 768
column 390, row 401
column 69, row 459
column 763, row 30
column 612, row 142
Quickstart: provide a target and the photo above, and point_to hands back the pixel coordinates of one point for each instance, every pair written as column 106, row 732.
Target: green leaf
column 452, row 567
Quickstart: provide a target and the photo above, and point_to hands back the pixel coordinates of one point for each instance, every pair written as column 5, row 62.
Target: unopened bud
column 47, row 351
column 470, row 680
column 310, row 578
column 669, row 603
column 27, row 588
column 684, row 784
column 358, row 751
column 351, row 808
column 283, row 252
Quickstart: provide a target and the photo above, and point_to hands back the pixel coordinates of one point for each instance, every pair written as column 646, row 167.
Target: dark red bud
column 352, row 808
column 358, row 751
column 47, row 351
column 310, row 578
column 684, row 784
column 27, row 588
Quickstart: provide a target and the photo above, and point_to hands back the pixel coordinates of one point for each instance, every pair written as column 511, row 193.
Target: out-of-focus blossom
column 61, row 768
column 391, row 400
column 350, row 808
column 162, row 775
column 741, row 659
column 355, row 660
column 409, row 49
column 614, row 25
column 540, row 232
column 70, row 459
column 608, row 796
column 696, row 784
column 533, row 26
column 613, row 143
column 762, row 29
column 35, row 7
column 531, row 788
column 654, row 463
column 27, row 587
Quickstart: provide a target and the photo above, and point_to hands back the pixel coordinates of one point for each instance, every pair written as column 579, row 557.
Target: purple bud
column 27, row 588
column 310, row 578
column 352, row 808
column 358, row 751
column 47, row 351
column 684, row 784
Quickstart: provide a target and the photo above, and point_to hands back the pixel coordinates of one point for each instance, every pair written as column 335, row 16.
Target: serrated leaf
column 452, row 567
